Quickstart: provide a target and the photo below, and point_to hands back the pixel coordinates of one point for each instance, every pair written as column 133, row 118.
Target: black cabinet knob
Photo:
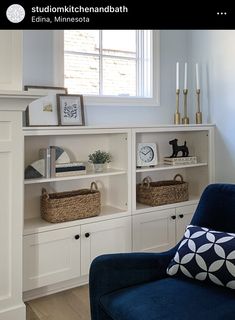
column 77, row 237
column 87, row 234
column 181, row 216
column 173, row 217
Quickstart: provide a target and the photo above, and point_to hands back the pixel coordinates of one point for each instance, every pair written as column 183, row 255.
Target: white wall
column 38, row 70
column 215, row 51
column 37, row 57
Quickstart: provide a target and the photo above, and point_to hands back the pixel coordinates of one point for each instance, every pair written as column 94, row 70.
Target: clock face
column 146, row 154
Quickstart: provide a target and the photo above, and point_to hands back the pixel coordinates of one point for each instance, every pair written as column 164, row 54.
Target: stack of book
column 54, row 169
column 69, row 169
column 180, row 160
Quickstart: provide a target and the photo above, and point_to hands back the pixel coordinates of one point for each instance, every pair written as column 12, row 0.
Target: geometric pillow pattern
column 205, row 255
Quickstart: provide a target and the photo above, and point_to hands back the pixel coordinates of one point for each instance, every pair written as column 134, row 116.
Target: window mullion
column 101, row 63
column 142, row 84
column 140, row 50
column 147, row 62
column 137, row 62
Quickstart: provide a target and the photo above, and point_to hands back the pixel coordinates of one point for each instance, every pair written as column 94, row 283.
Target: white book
column 70, row 173
column 69, row 164
column 44, row 153
column 52, row 161
column 180, row 160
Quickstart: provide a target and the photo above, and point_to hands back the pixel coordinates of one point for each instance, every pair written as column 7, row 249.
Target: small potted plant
column 99, row 158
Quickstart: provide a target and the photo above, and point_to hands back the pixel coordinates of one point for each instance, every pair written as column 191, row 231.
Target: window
column 112, row 66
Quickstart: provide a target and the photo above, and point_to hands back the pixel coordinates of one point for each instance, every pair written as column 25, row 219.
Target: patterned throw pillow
column 205, row 255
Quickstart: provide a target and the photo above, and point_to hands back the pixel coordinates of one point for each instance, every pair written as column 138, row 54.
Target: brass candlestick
column 198, row 113
column 177, row 114
column 185, row 119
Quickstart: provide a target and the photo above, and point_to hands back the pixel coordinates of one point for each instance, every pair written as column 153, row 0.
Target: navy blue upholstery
column 170, row 298
column 136, row 286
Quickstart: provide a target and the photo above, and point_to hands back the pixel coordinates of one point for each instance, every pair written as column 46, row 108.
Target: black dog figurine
column 176, row 149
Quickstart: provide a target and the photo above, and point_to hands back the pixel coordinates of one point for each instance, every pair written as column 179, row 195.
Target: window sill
column 121, row 101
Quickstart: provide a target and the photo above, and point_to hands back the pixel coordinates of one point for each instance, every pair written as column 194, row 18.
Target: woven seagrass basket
column 162, row 192
column 70, row 205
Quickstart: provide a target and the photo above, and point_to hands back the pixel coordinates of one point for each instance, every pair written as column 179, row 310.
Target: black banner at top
column 114, row 14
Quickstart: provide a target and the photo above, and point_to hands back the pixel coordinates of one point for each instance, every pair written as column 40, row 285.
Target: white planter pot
column 99, row 167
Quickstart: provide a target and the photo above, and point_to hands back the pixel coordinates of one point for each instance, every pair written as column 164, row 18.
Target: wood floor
column 67, row 305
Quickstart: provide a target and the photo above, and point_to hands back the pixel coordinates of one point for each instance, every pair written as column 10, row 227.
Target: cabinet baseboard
column 58, row 287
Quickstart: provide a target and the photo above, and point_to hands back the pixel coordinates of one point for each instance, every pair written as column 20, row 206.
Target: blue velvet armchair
column 135, row 286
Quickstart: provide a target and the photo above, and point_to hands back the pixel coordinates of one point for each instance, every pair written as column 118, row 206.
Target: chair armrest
column 112, row 272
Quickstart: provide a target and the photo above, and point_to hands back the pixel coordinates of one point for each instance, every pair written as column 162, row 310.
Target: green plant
column 100, row 157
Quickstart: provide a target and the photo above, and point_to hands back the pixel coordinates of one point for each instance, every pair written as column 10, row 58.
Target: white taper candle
column 185, row 75
column 177, row 76
column 197, row 78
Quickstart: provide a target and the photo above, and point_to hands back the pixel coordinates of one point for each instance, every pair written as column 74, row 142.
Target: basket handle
column 45, row 193
column 180, row 176
column 146, row 181
column 94, row 184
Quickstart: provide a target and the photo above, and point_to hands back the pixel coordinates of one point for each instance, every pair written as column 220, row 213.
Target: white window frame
column 93, row 100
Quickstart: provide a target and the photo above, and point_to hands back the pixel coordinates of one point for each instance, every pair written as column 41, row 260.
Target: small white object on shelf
column 146, row 154
column 35, row 170
column 180, row 160
column 69, row 169
column 69, row 164
column 70, row 173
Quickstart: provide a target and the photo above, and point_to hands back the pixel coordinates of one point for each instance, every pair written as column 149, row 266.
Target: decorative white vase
column 99, row 167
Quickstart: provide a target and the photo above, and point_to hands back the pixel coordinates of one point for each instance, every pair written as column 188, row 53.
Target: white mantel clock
column 146, row 154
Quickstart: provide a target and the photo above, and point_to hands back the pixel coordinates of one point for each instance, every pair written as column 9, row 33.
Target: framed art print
column 70, row 110
column 43, row 111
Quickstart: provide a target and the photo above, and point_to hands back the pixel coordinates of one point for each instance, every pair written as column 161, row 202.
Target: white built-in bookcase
column 123, row 225
column 113, row 183
column 200, row 142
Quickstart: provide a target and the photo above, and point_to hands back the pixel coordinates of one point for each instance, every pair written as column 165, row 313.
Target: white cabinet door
column 11, row 60
column 183, row 218
column 154, row 231
column 111, row 236
column 51, row 257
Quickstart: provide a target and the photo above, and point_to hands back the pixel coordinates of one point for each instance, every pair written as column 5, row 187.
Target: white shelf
column 142, row 208
column 35, row 225
column 70, row 130
column 162, row 166
column 89, row 174
column 75, row 130
column 137, row 128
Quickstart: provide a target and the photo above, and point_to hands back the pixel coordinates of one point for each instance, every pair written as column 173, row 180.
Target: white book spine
column 180, row 160
column 69, row 164
column 52, row 161
column 44, row 154
column 70, row 173
column 48, row 159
